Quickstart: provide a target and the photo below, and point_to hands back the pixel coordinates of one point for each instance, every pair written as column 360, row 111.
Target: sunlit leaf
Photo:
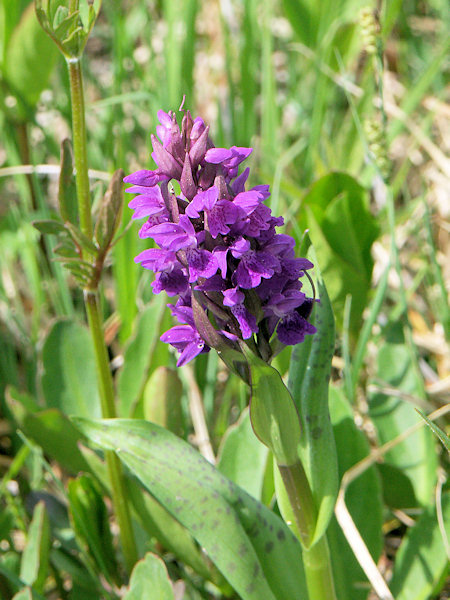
column 421, row 561
column 309, row 375
column 69, row 379
column 149, row 580
column 250, row 545
column 242, row 457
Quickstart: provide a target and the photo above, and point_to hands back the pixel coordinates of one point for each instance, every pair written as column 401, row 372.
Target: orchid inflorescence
column 236, row 278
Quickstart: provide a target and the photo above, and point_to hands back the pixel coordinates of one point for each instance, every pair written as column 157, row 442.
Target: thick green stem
column 106, row 388
column 319, row 577
column 316, row 557
column 301, row 501
column 115, row 471
column 80, row 145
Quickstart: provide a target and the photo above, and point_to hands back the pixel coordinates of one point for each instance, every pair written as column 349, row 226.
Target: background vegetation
column 297, row 80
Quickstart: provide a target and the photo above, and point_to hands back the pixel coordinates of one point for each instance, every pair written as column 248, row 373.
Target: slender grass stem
column 106, row 387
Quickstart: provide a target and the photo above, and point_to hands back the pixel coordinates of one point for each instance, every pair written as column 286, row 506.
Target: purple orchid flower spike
column 236, row 279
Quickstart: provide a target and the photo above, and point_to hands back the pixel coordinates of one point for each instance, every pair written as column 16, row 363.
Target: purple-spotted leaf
column 249, row 544
column 309, row 375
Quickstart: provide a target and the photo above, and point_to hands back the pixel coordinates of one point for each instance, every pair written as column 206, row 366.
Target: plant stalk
column 319, row 576
column 80, row 145
column 316, row 556
column 91, row 301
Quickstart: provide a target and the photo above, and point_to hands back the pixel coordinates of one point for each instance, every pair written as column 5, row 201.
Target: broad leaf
column 309, row 375
column 422, row 562
column 392, row 415
column 30, row 58
column 162, row 399
column 156, row 520
column 149, row 580
column 342, row 231
column 242, row 457
column 54, row 433
column 69, row 379
column 273, row 413
column 249, row 544
column 139, row 356
column 362, row 498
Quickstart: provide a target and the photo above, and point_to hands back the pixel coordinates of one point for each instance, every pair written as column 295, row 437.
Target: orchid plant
column 242, row 291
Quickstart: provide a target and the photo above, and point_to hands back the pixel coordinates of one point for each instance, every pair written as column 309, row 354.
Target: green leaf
column 160, row 524
column 25, row 594
column 53, row 432
column 80, row 238
column 90, row 523
column 30, row 59
column 69, row 379
column 65, row 248
column 249, row 544
column 273, row 414
column 84, row 585
column 110, row 212
column 242, row 457
column 362, row 498
column 162, row 399
column 342, row 231
column 392, row 415
column 149, row 580
column 421, row 561
column 140, row 354
column 67, row 193
column 49, row 226
column 156, row 520
column 34, row 563
column 309, row 375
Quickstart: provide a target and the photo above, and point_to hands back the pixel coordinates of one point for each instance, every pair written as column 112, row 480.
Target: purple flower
column 186, row 339
column 217, row 246
column 293, row 328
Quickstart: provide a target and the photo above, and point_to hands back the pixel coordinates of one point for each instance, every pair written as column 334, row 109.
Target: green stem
column 316, row 557
column 80, row 145
column 115, row 471
column 300, row 500
column 106, row 387
column 319, row 576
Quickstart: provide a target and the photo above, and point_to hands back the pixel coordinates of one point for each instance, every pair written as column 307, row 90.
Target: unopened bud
column 68, row 29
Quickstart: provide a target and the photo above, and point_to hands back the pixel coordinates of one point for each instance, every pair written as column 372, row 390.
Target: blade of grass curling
column 436, row 430
column 249, row 544
column 309, row 375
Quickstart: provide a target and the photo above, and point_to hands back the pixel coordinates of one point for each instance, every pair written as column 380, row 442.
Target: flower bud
column 68, row 29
